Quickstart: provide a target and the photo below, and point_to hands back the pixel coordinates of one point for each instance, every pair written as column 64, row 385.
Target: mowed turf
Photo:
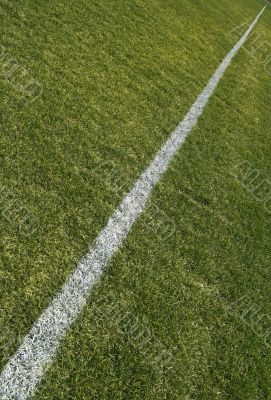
column 117, row 77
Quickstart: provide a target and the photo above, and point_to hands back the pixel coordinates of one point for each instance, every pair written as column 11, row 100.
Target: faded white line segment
column 26, row 368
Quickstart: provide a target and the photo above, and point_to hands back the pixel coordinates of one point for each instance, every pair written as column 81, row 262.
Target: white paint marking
column 26, row 368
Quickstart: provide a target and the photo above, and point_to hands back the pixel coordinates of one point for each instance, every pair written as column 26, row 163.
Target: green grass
column 117, row 77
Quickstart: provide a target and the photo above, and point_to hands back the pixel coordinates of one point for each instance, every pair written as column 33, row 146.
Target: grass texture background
column 117, row 78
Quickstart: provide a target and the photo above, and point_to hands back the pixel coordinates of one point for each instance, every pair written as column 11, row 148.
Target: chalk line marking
column 26, row 368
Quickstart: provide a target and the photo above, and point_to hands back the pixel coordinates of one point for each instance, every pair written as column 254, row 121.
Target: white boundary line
column 26, row 368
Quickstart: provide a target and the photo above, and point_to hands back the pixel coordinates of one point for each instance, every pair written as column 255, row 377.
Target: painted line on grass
column 26, row 368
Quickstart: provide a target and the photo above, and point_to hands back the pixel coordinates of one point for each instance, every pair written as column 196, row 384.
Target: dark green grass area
column 117, row 77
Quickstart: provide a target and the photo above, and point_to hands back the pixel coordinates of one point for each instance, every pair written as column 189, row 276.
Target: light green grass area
column 116, row 78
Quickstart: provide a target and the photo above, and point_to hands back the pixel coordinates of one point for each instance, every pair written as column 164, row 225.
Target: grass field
column 113, row 79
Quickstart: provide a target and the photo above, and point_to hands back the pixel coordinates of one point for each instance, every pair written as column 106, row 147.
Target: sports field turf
column 117, row 77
